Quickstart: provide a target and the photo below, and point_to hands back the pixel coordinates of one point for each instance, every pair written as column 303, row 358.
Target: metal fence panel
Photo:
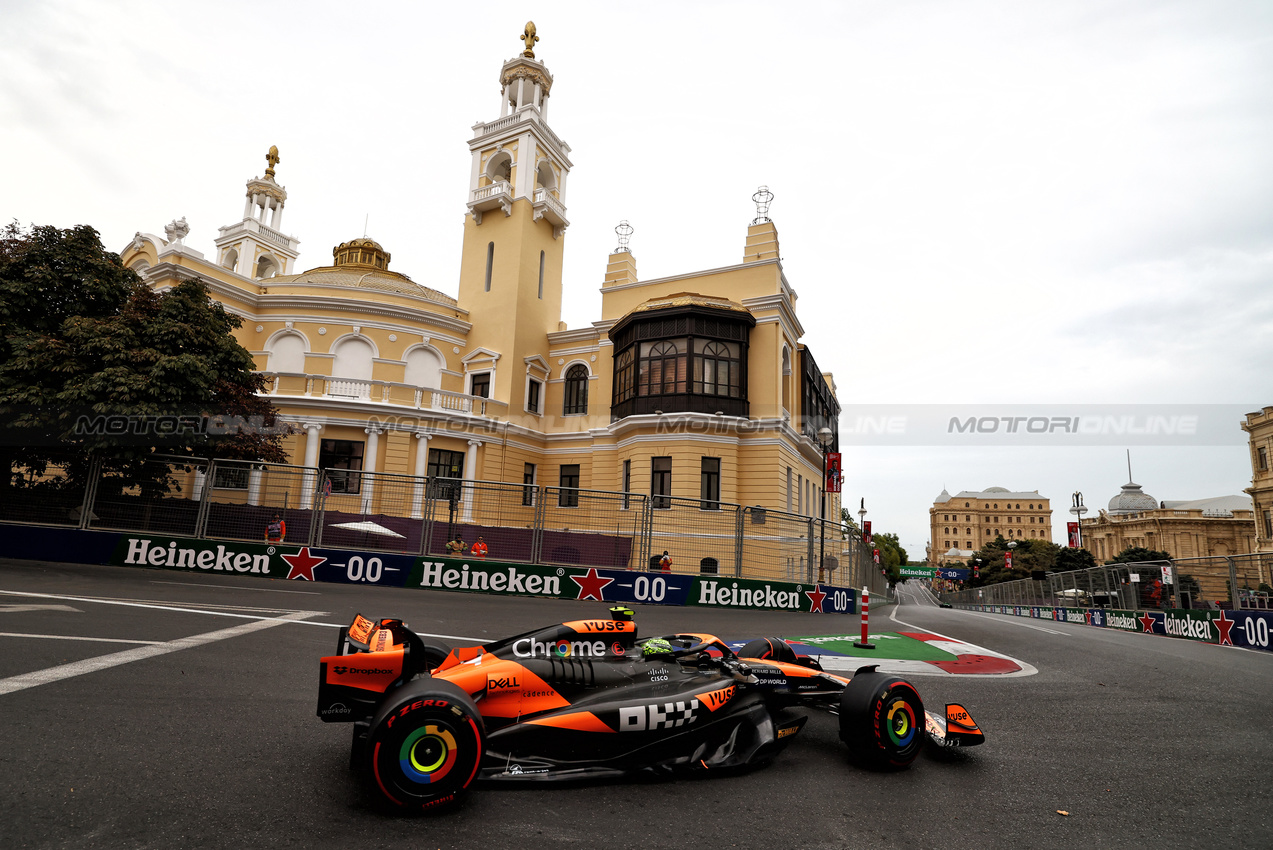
column 241, row 497
column 776, row 545
column 592, row 528
column 53, row 497
column 377, row 511
column 166, row 501
column 699, row 536
column 503, row 515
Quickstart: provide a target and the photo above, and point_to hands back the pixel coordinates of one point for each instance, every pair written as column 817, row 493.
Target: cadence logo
column 531, row 648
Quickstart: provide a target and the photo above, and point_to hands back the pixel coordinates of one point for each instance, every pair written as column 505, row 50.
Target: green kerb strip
column 887, row 645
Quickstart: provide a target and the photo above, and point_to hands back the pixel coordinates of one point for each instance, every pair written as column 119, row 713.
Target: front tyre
column 882, row 721
column 425, row 747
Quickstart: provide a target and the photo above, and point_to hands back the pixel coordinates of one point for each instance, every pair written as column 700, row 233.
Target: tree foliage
column 1136, row 554
column 82, row 337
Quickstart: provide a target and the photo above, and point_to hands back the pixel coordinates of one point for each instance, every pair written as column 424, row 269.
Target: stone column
column 369, row 465
column 421, row 464
column 312, row 443
column 470, row 473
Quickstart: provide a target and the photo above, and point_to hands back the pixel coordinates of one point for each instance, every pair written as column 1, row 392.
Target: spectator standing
column 276, row 530
column 479, row 549
column 665, row 563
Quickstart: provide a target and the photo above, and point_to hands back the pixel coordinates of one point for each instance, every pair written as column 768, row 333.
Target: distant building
column 961, row 524
column 1259, row 427
column 1183, row 529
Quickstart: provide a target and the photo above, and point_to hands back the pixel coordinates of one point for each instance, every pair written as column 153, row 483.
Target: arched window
column 624, row 376
column 287, row 354
column 786, row 378
column 230, row 260
column 716, row 368
column 662, row 367
column 576, row 390
column 424, row 368
column 266, row 267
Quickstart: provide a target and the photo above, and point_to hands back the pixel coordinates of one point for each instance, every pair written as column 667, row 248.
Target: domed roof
column 942, row 497
column 996, row 490
column 363, row 264
column 689, row 299
column 1131, row 500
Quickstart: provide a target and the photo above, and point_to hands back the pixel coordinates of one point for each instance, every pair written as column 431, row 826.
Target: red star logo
column 1087, row 616
column 1147, row 620
column 1223, row 625
column 302, row 564
column 591, row 585
column 815, row 599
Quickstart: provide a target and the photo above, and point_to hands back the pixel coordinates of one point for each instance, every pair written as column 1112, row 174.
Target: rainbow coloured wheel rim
column 427, row 754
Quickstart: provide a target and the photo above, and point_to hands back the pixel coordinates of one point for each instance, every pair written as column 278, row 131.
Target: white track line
column 289, row 618
column 74, row 637
column 236, row 587
column 92, row 665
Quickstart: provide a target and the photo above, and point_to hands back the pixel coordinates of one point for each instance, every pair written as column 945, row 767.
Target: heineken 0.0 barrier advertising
column 292, row 562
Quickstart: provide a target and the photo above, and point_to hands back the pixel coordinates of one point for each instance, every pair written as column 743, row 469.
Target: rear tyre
column 425, row 746
column 768, row 649
column 882, row 721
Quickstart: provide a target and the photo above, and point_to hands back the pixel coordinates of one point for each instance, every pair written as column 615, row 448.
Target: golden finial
column 528, row 36
column 271, row 159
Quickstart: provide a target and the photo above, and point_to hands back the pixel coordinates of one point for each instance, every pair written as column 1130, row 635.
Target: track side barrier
column 1242, row 628
column 298, row 561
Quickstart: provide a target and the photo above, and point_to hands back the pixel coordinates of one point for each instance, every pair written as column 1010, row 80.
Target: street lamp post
column 1078, row 509
column 825, row 439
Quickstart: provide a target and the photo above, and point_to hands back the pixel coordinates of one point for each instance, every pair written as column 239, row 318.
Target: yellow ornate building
column 1259, row 427
column 696, row 386
column 1183, row 529
column 959, row 525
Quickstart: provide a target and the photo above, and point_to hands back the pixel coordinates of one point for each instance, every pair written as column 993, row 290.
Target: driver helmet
column 655, row 647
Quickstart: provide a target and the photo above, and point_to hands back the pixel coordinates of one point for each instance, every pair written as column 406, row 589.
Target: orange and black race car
column 589, row 699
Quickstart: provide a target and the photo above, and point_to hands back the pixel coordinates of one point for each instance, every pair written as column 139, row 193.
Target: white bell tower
column 255, row 247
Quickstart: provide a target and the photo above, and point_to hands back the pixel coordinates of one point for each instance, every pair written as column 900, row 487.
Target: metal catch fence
column 1227, row 581
column 237, row 500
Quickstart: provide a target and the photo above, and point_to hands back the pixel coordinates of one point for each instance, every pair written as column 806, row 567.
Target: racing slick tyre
column 425, row 745
column 882, row 721
column 770, row 649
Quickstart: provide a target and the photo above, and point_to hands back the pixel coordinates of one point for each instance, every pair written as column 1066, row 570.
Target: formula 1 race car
column 587, row 699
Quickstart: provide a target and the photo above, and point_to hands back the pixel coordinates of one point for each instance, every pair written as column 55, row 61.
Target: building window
column 444, row 463
column 532, row 395
column 717, row 369
column 528, row 484
column 681, row 359
column 661, row 482
column 1268, row 524
column 788, row 489
column 709, row 486
column 576, row 390
column 541, row 275
column 627, row 483
column 1264, row 457
column 490, row 263
column 968, row 545
column 230, row 478
column 569, row 483
column 481, row 385
column 344, row 459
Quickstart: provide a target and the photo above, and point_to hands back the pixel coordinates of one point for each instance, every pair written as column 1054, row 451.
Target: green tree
column 83, row 337
column 1136, row 554
column 1068, row 559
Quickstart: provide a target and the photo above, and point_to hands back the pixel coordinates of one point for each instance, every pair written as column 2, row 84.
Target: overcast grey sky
column 978, row 202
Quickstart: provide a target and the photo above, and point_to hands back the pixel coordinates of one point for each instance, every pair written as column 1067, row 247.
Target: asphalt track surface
column 187, row 720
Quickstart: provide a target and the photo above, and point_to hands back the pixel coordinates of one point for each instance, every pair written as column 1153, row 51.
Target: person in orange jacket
column 276, row 530
column 479, row 549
